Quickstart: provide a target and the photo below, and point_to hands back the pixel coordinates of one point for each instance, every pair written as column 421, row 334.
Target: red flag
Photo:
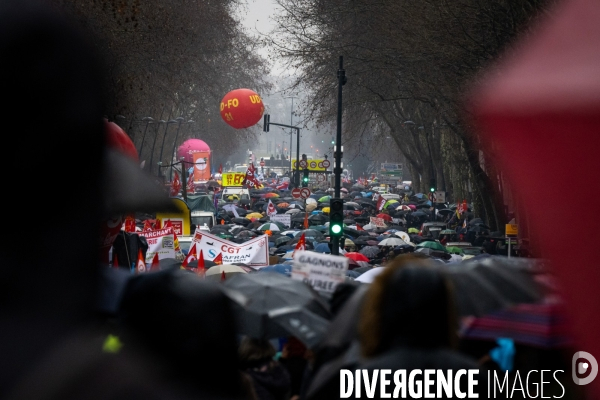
column 306, row 224
column 218, row 259
column 129, row 224
column 359, row 228
column 223, row 276
column 464, row 206
column 191, row 256
column 380, row 203
column 301, row 245
column 141, row 263
column 154, row 265
column 271, row 210
column 147, row 226
column 201, row 270
column 220, row 168
column 175, row 185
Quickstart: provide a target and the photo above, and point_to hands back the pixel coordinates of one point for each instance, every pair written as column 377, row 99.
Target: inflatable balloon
column 119, row 140
column 242, row 108
column 197, row 153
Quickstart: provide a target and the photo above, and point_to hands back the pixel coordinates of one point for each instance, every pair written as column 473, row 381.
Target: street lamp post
column 148, row 121
column 162, row 121
column 162, row 146
column 175, row 142
column 291, row 129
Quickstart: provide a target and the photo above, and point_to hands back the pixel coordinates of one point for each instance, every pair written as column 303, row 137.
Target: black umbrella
column 241, row 221
column 311, row 234
column 169, row 263
column 271, row 305
column 419, row 214
column 369, row 251
column 445, row 211
column 318, row 219
column 494, row 283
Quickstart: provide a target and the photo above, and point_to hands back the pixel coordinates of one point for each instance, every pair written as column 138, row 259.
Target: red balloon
column 242, row 108
column 119, row 140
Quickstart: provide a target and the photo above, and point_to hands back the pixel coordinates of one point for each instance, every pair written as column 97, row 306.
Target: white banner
column 254, row 252
column 378, row 222
column 161, row 241
column 322, row 271
column 285, row 219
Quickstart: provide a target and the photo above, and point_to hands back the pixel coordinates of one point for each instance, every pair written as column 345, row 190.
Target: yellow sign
column 512, row 229
column 181, row 220
column 315, row 165
column 232, row 179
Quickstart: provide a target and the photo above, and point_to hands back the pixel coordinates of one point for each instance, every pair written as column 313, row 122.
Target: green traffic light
column 336, row 229
column 432, row 190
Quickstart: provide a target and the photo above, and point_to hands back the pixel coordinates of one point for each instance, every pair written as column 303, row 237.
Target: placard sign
column 254, row 252
column 378, row 222
column 161, row 241
column 285, row 219
column 322, row 271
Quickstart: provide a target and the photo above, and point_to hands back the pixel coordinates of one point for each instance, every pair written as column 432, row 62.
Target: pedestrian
column 270, row 379
column 409, row 321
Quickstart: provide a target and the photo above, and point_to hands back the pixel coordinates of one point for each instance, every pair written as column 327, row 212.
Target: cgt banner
column 161, row 242
column 254, row 252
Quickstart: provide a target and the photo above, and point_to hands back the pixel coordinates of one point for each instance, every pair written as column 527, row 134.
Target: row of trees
column 410, row 66
column 170, row 59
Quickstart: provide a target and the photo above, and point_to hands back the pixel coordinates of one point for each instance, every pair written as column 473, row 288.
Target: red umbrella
column 385, row 217
column 356, row 256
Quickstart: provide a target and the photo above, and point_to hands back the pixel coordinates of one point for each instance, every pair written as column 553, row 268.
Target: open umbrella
column 283, row 204
column 216, row 272
column 392, row 241
column 494, row 283
column 432, row 245
column 254, row 215
column 293, row 211
column 369, row 251
column 390, row 202
column 324, row 199
column 385, row 217
column 271, row 305
column 270, row 195
column 284, row 269
column 541, row 325
column 272, row 226
column 356, row 256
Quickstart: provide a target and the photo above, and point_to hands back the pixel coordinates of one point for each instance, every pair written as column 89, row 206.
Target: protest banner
column 378, row 222
column 161, row 242
column 285, row 219
column 254, row 252
column 322, row 271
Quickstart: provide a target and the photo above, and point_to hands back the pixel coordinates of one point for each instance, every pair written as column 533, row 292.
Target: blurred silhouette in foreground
column 409, row 321
column 51, row 341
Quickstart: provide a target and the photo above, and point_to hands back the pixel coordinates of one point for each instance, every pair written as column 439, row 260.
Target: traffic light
column 432, row 185
column 305, row 178
column 266, row 121
column 336, row 217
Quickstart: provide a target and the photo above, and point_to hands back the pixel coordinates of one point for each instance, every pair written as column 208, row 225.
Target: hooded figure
column 53, row 339
column 409, row 322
